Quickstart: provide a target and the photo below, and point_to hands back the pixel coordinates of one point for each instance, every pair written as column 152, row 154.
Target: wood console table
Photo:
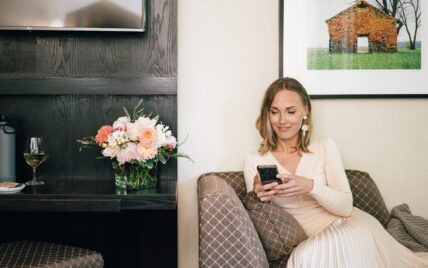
column 132, row 229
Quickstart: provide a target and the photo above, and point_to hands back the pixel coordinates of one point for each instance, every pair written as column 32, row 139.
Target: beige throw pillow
column 278, row 231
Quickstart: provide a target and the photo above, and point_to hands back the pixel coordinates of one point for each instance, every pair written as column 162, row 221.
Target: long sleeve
column 249, row 172
column 336, row 196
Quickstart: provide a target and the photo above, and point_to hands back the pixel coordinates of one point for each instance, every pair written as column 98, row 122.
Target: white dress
column 339, row 235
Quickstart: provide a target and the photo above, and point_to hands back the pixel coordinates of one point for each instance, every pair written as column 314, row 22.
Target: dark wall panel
column 65, row 85
column 63, row 119
column 95, row 54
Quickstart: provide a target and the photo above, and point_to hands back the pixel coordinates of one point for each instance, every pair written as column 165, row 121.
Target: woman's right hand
column 264, row 192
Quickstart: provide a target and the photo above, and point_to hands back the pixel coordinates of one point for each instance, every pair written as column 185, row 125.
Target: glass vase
column 134, row 176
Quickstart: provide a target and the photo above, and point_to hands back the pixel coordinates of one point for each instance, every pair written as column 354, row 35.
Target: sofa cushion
column 279, row 232
column 227, row 235
column 235, row 179
column 366, row 195
column 28, row 253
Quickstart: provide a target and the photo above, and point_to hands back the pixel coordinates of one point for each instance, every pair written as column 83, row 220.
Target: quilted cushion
column 367, row 196
column 41, row 254
column 227, row 237
column 279, row 232
column 235, row 179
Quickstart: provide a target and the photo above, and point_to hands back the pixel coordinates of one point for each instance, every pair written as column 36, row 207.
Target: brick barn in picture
column 362, row 21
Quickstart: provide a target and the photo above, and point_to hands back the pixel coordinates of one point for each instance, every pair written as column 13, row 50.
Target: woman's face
column 286, row 114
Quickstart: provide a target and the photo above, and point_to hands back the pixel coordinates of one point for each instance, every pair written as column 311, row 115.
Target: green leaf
column 115, row 164
column 127, row 114
column 162, row 159
column 149, row 164
column 184, row 156
column 136, row 113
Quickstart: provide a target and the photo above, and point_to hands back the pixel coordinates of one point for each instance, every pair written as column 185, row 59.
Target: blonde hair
column 270, row 140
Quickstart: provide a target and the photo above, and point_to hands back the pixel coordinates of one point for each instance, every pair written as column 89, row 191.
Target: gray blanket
column 408, row 229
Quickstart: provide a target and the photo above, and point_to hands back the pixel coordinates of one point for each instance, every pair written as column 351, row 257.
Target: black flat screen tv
column 73, row 15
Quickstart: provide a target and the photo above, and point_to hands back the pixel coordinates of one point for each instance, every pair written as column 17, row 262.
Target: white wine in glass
column 35, row 155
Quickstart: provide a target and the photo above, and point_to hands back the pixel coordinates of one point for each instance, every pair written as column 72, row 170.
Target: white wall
column 227, row 55
column 388, row 138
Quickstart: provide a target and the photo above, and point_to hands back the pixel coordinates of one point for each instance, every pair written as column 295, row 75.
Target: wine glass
column 34, row 155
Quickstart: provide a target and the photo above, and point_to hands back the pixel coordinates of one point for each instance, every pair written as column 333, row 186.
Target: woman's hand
column 293, row 185
column 264, row 192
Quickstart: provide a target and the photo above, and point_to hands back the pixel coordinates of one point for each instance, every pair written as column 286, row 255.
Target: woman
column 315, row 189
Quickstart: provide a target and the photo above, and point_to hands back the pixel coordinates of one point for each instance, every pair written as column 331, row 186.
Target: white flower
column 161, row 135
column 145, row 122
column 121, row 123
column 171, row 142
column 134, row 129
column 110, row 151
column 118, row 138
column 127, row 154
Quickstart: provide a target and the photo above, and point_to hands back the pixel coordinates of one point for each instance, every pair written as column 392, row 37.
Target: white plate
column 11, row 190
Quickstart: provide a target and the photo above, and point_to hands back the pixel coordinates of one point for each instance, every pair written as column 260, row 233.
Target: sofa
column 227, row 236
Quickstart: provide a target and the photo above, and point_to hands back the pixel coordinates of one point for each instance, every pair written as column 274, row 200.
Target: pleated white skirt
column 357, row 241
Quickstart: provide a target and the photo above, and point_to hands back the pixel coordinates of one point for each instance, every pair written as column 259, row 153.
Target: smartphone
column 268, row 174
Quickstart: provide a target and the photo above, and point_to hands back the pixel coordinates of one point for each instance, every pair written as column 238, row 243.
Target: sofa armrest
column 227, row 237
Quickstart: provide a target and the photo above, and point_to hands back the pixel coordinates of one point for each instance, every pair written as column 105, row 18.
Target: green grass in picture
column 321, row 59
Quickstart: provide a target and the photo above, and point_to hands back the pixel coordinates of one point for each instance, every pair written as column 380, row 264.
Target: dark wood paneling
column 60, row 85
column 65, row 85
column 63, row 119
column 95, row 54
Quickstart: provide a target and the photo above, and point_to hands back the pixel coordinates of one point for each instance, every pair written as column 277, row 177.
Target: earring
column 305, row 126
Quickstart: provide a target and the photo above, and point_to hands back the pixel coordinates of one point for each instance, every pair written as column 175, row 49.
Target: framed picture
column 355, row 48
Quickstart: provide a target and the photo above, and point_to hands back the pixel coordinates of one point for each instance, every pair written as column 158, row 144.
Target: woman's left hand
column 293, row 185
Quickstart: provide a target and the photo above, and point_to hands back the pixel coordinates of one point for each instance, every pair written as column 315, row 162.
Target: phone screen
column 268, row 173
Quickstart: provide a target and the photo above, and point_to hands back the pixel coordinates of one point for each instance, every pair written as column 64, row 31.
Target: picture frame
column 297, row 20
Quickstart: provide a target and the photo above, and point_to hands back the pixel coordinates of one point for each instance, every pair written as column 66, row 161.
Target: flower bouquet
column 135, row 143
